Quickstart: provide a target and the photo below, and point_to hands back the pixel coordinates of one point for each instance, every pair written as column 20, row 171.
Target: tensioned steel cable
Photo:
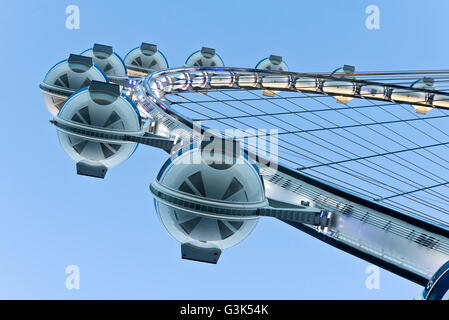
column 421, row 185
column 287, row 159
column 274, row 113
column 373, row 130
column 425, row 120
column 364, row 146
column 341, row 185
column 426, row 149
column 398, row 72
column 345, row 184
column 352, row 126
column 385, row 136
column 412, row 191
column 344, row 137
column 215, row 110
column 362, row 115
column 376, row 155
column 320, row 129
column 349, row 151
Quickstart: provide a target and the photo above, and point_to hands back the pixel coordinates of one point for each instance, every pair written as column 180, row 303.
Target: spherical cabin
column 206, row 57
column 204, row 202
column 273, row 63
column 67, row 77
column 100, row 106
column 110, row 62
column 145, row 59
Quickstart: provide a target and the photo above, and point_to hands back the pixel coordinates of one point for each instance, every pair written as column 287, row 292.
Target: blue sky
column 51, row 218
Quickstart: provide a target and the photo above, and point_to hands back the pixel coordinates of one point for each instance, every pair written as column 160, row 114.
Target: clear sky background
column 51, row 218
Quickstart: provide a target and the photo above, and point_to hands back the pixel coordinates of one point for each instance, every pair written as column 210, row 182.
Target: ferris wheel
column 355, row 159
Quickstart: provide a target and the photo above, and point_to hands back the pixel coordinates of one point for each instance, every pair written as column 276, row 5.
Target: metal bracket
column 192, row 252
column 85, row 169
column 148, row 49
column 101, row 48
column 207, row 52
